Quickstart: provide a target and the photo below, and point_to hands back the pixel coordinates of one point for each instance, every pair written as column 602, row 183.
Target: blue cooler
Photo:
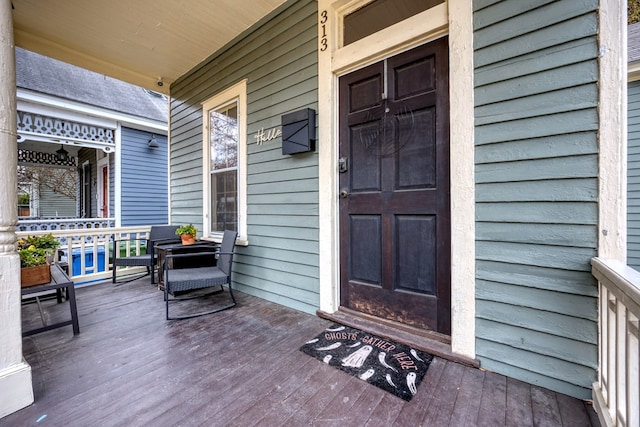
column 88, row 261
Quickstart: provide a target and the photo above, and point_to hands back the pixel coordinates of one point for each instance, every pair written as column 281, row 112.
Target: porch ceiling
column 135, row 41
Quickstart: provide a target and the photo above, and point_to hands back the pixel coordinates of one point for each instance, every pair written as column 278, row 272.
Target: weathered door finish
column 394, row 195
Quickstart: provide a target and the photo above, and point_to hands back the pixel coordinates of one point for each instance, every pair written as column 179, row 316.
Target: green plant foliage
column 33, row 250
column 186, row 229
column 46, row 241
column 633, row 11
column 23, row 199
column 32, row 257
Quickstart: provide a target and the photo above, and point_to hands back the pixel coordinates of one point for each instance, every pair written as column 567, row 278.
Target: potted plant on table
column 187, row 233
column 36, row 253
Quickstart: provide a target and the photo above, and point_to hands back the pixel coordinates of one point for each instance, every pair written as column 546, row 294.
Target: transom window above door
column 380, row 14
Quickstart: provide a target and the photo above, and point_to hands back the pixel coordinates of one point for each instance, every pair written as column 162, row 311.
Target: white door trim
column 456, row 18
column 102, row 163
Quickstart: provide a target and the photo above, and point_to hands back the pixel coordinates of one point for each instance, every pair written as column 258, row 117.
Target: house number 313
column 323, row 25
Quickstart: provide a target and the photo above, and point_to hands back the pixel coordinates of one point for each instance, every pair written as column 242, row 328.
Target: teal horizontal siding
column 561, row 257
column 540, row 126
column 633, row 175
column 542, row 213
column 555, row 56
column 564, row 377
column 546, row 345
column 536, row 169
column 566, row 31
column 575, row 98
column 579, row 282
column 563, row 235
column 536, row 121
column 565, row 81
column 537, row 148
column 510, row 21
column 278, row 57
column 571, row 305
column 557, row 190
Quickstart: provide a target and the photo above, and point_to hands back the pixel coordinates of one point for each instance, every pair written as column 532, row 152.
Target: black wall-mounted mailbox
column 299, row 132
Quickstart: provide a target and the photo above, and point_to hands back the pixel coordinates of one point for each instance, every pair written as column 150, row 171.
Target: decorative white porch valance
column 37, row 127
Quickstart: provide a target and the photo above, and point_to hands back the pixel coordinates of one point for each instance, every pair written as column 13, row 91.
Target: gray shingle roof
column 633, row 42
column 52, row 77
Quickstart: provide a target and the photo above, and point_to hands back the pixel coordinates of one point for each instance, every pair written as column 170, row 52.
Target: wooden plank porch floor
column 242, row 367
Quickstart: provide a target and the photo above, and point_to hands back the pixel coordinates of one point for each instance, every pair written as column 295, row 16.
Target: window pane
column 223, row 137
column 381, row 14
column 224, row 202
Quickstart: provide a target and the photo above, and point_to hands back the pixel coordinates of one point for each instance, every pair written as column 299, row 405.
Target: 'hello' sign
column 263, row 136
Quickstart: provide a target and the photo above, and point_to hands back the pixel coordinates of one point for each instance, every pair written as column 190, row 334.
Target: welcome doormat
column 391, row 366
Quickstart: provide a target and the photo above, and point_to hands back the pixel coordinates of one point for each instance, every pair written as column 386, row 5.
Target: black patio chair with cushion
column 159, row 234
column 213, row 270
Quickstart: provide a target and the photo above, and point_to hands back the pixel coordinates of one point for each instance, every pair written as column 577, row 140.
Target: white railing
column 616, row 393
column 50, row 224
column 88, row 251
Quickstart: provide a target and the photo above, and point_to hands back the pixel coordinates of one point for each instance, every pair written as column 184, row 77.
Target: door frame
column 334, row 61
column 102, row 163
column 85, row 190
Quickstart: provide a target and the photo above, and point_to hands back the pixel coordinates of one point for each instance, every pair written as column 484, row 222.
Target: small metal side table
column 59, row 280
column 179, row 248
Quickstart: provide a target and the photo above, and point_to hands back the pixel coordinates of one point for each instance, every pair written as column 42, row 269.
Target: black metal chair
column 158, row 234
column 213, row 270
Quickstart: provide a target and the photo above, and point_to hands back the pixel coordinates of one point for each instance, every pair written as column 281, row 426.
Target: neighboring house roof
column 633, row 42
column 52, row 77
column 633, row 51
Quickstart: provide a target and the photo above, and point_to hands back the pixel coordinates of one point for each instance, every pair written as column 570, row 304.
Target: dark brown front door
column 394, row 189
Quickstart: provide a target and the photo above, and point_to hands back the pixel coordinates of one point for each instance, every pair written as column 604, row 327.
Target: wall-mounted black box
column 299, row 131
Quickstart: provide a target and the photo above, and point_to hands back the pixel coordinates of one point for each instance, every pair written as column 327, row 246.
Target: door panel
column 365, row 168
column 394, row 205
column 366, row 258
column 416, row 253
column 416, row 151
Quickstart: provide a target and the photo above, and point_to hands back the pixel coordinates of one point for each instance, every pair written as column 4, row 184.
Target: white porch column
column 16, row 390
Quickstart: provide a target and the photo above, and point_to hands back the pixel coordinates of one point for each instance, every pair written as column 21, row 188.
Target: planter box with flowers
column 36, row 253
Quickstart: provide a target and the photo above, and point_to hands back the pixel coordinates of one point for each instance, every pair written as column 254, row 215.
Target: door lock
column 344, row 194
column 342, row 165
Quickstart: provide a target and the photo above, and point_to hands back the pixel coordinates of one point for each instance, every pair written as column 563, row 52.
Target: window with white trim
column 224, row 122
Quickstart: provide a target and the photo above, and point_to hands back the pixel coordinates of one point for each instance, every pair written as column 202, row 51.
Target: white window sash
column 236, row 93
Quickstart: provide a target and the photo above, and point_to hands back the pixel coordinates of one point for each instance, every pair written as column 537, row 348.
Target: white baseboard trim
column 16, row 390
